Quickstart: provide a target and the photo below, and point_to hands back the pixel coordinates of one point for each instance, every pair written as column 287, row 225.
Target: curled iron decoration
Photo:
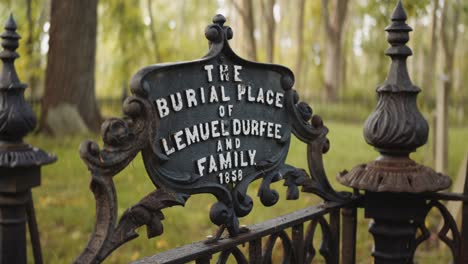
column 288, row 251
column 326, row 245
column 123, row 139
column 450, row 225
column 309, row 128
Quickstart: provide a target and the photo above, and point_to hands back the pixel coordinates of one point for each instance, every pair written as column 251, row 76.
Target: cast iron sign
column 219, row 123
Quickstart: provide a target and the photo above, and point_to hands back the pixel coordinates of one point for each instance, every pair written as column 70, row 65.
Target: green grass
column 65, row 205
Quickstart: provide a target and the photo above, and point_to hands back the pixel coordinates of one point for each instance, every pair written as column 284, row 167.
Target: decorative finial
column 218, row 32
column 219, row 19
column 9, row 79
column 16, row 117
column 396, row 127
column 399, row 14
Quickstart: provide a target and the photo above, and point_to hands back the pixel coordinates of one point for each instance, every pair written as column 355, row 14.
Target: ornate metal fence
column 217, row 124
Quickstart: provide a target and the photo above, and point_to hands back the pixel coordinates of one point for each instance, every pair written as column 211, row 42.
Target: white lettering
column 224, row 98
column 223, row 73
column 165, row 147
column 237, row 68
column 214, row 129
column 269, row 97
column 179, row 144
column 163, row 110
column 228, row 144
column 236, row 127
column 208, row 69
column 279, row 100
column 220, row 146
column 240, row 91
column 192, row 136
column 252, row 153
column 260, row 97
column 213, row 166
column 191, row 99
column 200, row 166
column 213, row 95
column 277, row 131
column 221, row 111
column 177, row 106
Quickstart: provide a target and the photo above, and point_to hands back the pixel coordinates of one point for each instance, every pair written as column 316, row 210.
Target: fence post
column 395, row 186
column 20, row 163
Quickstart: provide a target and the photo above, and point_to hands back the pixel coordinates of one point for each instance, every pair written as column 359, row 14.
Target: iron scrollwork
column 449, row 226
column 140, row 132
column 123, row 139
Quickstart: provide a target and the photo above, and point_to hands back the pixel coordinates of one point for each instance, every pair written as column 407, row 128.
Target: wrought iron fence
column 394, row 191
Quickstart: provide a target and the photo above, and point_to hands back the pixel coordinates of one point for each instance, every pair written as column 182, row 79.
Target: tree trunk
column 334, row 25
column 69, row 77
column 245, row 9
column 449, row 37
column 154, row 39
column 270, row 23
column 429, row 65
column 299, row 43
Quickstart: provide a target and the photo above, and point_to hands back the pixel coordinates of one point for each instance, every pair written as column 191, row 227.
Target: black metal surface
column 19, row 162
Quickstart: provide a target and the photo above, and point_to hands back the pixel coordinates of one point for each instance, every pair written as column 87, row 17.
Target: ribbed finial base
column 394, row 174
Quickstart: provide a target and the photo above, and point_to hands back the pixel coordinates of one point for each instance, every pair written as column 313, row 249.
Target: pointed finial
column 399, row 13
column 398, row 33
column 11, row 23
column 396, row 127
column 8, row 78
column 10, row 39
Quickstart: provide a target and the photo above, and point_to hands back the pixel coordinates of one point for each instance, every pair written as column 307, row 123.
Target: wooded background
column 75, row 50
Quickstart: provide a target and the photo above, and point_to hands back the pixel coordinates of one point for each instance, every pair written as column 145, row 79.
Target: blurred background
column 78, row 57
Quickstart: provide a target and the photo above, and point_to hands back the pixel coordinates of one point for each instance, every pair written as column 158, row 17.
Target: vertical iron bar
column 335, row 233
column 203, row 260
column 13, row 228
column 298, row 242
column 348, row 247
column 255, row 251
column 33, row 230
column 464, row 226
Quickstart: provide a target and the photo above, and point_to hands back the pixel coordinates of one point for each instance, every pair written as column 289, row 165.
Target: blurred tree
column 449, row 36
column 299, row 43
column 154, row 37
column 334, row 25
column 270, row 24
column 69, row 98
column 245, row 9
column 430, row 63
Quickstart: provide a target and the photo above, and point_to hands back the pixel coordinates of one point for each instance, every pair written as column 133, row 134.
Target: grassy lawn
column 65, row 205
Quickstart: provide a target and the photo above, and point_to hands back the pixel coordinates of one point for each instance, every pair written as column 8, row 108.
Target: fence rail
column 297, row 247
